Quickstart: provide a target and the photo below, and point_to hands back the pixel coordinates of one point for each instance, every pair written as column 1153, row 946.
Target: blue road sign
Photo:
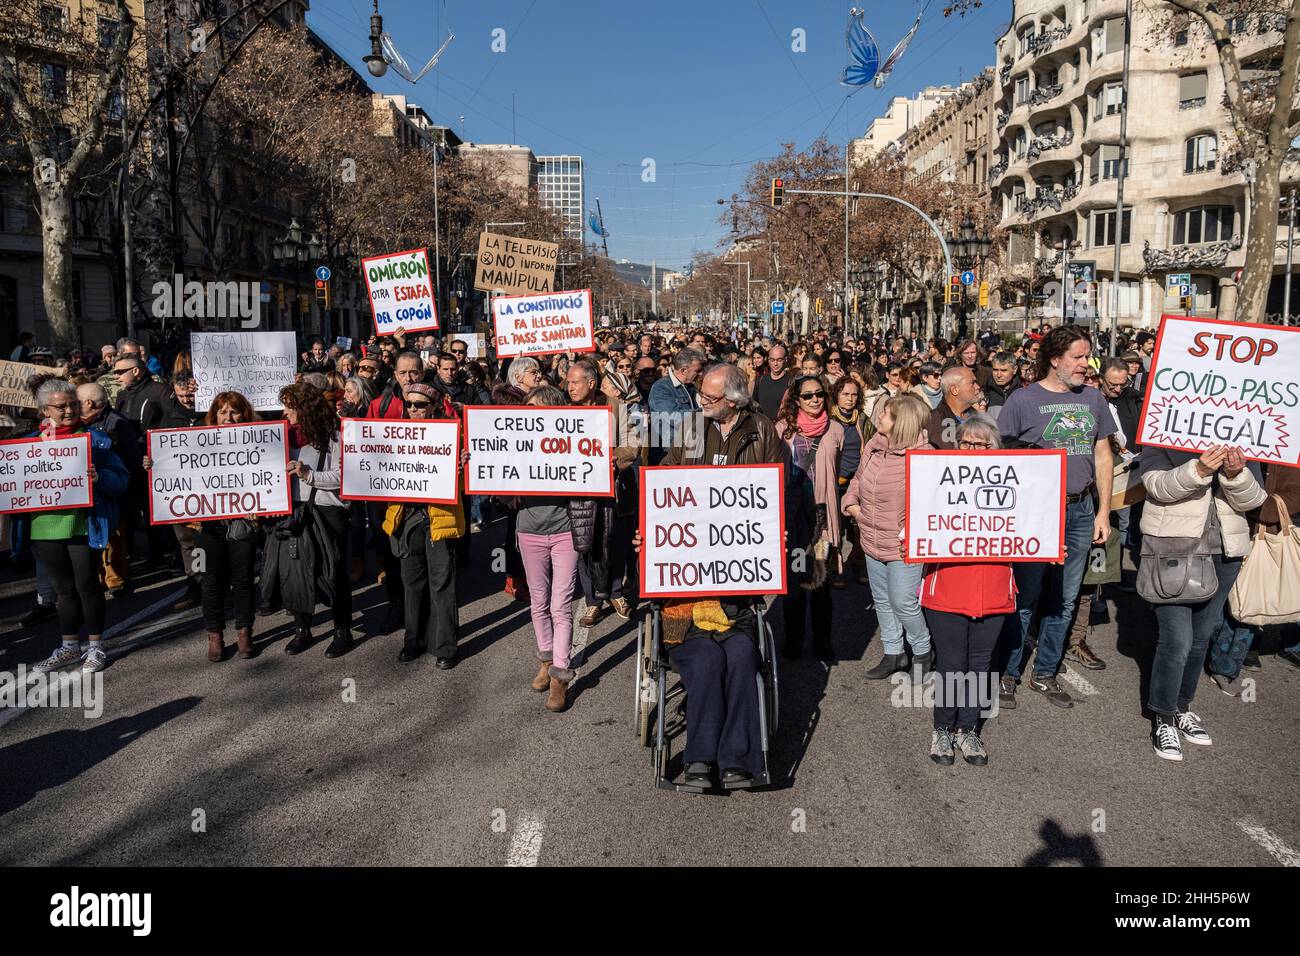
column 323, row 273
column 778, row 307
column 968, row 278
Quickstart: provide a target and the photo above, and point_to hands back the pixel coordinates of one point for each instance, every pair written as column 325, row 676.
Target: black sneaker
column 1049, row 688
column 38, row 613
column 1007, row 693
column 1165, row 740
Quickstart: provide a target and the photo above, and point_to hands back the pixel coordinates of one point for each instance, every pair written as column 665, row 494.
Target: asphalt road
column 270, row 761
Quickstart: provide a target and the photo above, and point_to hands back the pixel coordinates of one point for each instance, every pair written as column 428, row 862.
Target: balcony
column 996, row 172
column 1004, row 74
column 1211, row 255
column 1043, row 144
column 1040, row 44
column 1047, row 199
column 1194, row 103
column 1069, row 192
column 1045, row 94
column 1002, row 119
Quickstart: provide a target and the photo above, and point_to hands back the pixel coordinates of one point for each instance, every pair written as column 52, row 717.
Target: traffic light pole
column 943, row 243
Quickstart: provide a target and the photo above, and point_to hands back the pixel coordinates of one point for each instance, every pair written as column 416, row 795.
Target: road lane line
column 1271, row 843
column 1078, row 683
column 526, row 841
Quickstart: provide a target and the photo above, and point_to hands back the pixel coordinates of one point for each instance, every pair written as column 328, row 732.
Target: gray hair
column 316, row 380
column 589, row 370
column 982, row 424
column 1003, row 358
column 52, row 387
column 364, row 388
column 519, row 367
column 124, row 342
column 735, row 387
column 544, row 394
column 686, row 358
column 134, row 362
column 1114, row 364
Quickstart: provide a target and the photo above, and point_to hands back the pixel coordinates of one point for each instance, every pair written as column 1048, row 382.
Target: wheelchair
column 659, row 705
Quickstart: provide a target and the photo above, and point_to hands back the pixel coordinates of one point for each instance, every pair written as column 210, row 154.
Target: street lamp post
column 748, row 280
column 295, row 252
column 969, row 251
column 1066, row 248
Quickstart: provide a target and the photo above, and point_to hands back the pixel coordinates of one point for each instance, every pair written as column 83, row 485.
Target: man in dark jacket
column 735, row 431
column 143, row 401
column 179, row 412
column 1003, row 380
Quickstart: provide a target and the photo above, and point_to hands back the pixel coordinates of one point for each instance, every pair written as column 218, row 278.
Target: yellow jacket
column 445, row 521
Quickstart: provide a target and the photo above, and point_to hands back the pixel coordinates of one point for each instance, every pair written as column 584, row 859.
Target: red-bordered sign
column 479, row 424
column 505, row 350
column 398, row 326
column 451, row 432
column 6, row 479
column 273, row 509
column 731, row 477
column 1009, row 505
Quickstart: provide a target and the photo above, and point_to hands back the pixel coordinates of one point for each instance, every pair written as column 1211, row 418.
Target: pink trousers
column 551, row 565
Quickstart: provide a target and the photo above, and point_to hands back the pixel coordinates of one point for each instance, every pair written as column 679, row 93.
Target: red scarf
column 63, row 431
column 296, row 437
column 811, row 427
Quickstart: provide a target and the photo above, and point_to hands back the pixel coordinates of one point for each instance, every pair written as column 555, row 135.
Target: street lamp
column 969, row 250
column 290, row 250
column 375, row 61
column 1065, row 247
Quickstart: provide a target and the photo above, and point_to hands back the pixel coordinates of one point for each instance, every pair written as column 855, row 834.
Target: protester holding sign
column 420, row 535
column 70, row 541
column 1059, row 411
column 1194, row 535
column 304, row 562
column 876, row 501
column 965, row 605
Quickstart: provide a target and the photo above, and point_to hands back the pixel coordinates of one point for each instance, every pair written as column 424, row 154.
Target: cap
column 419, row 388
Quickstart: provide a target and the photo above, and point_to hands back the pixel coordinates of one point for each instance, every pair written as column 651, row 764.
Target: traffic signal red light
column 778, row 193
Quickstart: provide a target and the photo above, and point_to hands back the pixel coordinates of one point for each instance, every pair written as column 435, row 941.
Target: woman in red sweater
column 964, row 606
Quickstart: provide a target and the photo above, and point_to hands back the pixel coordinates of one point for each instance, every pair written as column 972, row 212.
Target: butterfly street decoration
column 398, row 62
column 594, row 224
column 864, row 54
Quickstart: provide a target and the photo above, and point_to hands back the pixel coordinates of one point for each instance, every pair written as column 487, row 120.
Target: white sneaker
column 1165, row 742
column 62, row 657
column 1190, row 727
column 96, row 661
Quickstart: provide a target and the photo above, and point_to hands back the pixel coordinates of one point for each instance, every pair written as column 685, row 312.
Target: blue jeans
column 1229, row 645
column 1061, row 582
column 1182, row 640
column 895, row 587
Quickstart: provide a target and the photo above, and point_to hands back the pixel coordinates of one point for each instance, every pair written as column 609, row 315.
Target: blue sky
column 702, row 87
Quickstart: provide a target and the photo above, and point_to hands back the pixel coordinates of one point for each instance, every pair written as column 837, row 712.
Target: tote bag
column 1267, row 590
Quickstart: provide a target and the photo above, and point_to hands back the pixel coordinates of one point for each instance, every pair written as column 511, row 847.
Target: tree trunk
column 56, row 249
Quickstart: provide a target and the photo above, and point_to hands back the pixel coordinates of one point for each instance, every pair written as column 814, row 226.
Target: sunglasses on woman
column 810, row 396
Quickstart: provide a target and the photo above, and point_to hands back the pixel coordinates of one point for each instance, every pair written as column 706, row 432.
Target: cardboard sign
column 475, row 345
column 1224, row 383
column 993, row 506
column 400, row 460
column 14, row 377
column 401, row 293
column 543, row 324
column 210, row 472
column 255, row 364
column 45, row 474
column 515, row 266
column 536, row 450
column 714, row 530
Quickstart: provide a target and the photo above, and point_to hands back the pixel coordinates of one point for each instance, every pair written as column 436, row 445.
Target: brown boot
column 558, row 699
column 542, row 682
column 216, row 647
column 244, row 640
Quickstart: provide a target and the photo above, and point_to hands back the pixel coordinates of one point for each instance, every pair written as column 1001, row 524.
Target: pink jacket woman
column 879, row 489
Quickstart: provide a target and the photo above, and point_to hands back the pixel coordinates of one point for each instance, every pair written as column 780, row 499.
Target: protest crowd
column 846, row 417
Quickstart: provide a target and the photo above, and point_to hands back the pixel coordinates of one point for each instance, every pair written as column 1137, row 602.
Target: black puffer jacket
column 593, row 536
column 144, row 403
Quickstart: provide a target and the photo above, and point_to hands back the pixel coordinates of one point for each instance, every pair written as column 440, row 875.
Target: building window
column 1021, row 144
column 1191, row 90
column 1110, row 99
column 1105, row 163
column 1022, row 90
column 76, row 294
column 1203, row 224
column 107, row 32
column 1202, row 153
column 54, row 18
column 1103, row 228
column 54, row 82
column 1113, row 37
column 60, row 143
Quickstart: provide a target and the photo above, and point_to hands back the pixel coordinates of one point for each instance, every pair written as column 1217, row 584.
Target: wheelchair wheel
column 773, row 683
column 644, row 689
column 636, row 687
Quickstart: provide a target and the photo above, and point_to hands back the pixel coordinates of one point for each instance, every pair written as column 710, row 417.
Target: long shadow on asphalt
column 1060, row 847
column 60, row 756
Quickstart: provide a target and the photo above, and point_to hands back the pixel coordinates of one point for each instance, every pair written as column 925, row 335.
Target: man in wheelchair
column 713, row 647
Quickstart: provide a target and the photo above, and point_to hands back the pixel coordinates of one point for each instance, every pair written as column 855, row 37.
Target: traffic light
column 1187, row 303
column 778, row 193
column 984, row 295
column 323, row 293
column 818, row 306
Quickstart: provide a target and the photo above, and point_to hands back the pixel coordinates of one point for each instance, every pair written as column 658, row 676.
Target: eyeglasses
column 123, row 371
column 61, row 407
column 710, row 399
column 419, row 404
column 968, row 445
column 459, row 351
column 624, row 366
column 367, row 369
column 833, row 361
column 812, row 396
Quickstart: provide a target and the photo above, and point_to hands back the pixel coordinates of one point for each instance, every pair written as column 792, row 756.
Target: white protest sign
column 45, row 474
column 535, row 450
column 211, row 472
column 474, row 345
column 993, row 506
column 255, row 364
column 543, row 324
column 712, row 530
column 401, row 295
column 400, row 460
column 1224, row 383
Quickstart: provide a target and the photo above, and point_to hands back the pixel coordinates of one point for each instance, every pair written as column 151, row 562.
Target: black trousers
column 797, row 603
column 342, row 607
column 429, row 581
column 227, row 568
column 73, row 566
column 722, row 701
column 965, row 682
column 391, row 564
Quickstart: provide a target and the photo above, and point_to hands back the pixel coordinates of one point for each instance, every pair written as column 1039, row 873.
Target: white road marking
column 526, row 841
column 1078, row 683
column 1271, row 843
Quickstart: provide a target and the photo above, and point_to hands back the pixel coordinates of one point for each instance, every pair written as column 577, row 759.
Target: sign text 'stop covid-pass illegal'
column 401, row 293
column 1224, row 383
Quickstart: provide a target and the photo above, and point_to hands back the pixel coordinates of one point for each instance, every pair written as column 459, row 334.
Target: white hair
column 519, row 367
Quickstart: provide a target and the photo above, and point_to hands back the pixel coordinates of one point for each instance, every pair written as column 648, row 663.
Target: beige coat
column 1178, row 502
